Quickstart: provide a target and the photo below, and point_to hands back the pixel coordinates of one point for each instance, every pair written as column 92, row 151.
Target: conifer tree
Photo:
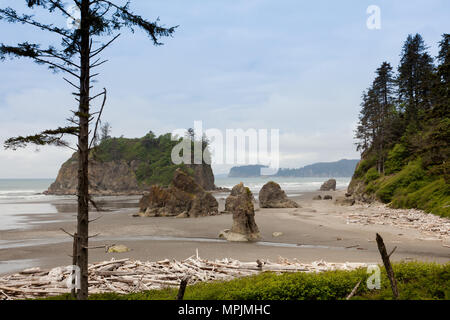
column 76, row 55
column 377, row 115
column 414, row 79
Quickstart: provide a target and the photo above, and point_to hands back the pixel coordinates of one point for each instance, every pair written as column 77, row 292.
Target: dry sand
column 317, row 231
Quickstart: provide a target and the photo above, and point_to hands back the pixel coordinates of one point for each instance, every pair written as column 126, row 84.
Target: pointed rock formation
column 328, row 185
column 240, row 203
column 272, row 196
column 183, row 198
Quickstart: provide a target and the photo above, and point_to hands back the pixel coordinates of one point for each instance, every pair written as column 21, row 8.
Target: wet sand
column 317, row 231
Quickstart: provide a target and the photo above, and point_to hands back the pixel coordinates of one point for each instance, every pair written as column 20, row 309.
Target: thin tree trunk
column 83, row 147
column 182, row 288
column 387, row 265
column 74, row 263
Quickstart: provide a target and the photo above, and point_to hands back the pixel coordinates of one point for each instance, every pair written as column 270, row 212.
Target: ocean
column 293, row 186
column 22, row 198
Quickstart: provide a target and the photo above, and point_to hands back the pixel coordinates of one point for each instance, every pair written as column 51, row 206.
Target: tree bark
column 182, row 288
column 83, row 148
column 387, row 265
column 74, row 263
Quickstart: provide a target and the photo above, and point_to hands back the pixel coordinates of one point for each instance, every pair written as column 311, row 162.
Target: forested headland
column 404, row 131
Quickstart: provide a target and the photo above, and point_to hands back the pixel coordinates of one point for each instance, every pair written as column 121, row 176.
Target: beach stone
column 240, row 204
column 344, row 201
column 327, row 197
column 272, row 196
column 118, row 249
column 277, row 234
column 182, row 215
column 328, row 185
column 183, row 196
column 318, row 197
column 232, row 236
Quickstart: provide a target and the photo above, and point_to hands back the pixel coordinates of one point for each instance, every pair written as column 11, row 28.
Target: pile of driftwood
column 127, row 276
column 435, row 227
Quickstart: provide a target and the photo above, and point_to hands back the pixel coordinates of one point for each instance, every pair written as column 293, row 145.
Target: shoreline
column 317, row 231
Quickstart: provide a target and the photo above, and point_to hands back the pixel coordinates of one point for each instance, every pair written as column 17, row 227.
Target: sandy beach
column 319, row 230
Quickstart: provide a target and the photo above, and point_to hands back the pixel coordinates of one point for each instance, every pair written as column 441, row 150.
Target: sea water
column 22, row 198
column 293, row 186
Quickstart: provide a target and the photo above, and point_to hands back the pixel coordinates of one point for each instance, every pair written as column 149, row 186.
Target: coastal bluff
column 122, row 166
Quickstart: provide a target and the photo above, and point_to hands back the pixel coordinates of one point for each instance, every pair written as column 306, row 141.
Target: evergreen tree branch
column 47, row 137
column 124, row 18
column 10, row 15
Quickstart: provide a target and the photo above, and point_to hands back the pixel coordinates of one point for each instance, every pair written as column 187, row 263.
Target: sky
column 297, row 66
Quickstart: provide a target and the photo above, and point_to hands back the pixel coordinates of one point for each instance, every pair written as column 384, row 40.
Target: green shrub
column 416, row 280
column 433, row 197
column 153, row 155
column 413, row 172
column 371, row 175
column 364, row 165
column 396, row 159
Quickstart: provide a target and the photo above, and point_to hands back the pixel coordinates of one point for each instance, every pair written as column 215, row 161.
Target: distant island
column 341, row 168
column 250, row 171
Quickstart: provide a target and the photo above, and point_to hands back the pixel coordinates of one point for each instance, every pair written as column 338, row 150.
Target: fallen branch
column 126, row 276
column 353, row 291
column 387, row 265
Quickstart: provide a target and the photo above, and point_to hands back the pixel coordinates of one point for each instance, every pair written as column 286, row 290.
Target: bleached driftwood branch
column 127, row 276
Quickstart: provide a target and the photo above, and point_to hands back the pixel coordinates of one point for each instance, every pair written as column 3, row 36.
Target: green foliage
column 413, row 172
column 406, row 137
column 364, row 166
column 151, row 154
column 371, row 175
column 416, row 280
column 396, row 159
column 432, row 197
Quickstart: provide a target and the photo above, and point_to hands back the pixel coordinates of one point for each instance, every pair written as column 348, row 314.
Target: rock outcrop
column 272, row 196
column 236, row 191
column 328, row 185
column 240, row 203
column 116, row 177
column 184, row 198
column 357, row 190
column 345, row 201
column 106, row 178
column 203, row 175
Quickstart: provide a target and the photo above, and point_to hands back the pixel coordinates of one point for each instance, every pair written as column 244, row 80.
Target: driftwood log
column 127, row 276
column 387, row 264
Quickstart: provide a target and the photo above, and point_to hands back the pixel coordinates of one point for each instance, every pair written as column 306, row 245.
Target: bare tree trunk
column 182, row 288
column 74, row 263
column 83, row 148
column 387, row 264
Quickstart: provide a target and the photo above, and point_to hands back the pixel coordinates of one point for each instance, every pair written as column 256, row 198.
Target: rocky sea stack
column 240, row 203
column 272, row 196
column 329, row 185
column 122, row 166
column 183, row 198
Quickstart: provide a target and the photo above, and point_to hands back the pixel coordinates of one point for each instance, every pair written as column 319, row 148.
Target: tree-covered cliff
column 129, row 166
column 404, row 132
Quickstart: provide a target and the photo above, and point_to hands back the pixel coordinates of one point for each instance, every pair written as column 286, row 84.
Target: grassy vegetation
column 408, row 185
column 416, row 280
